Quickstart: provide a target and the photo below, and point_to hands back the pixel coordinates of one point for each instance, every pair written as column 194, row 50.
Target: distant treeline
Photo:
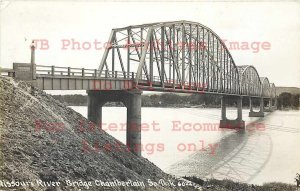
column 288, row 100
column 74, row 100
column 154, row 100
column 285, row 100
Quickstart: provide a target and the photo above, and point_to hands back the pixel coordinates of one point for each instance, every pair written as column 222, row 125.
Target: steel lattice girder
column 250, row 83
column 265, row 88
column 181, row 54
column 273, row 90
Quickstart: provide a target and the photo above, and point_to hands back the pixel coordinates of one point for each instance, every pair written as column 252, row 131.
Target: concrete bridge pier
column 269, row 106
column 260, row 113
column 232, row 124
column 250, row 104
column 275, row 104
column 132, row 100
column 95, row 109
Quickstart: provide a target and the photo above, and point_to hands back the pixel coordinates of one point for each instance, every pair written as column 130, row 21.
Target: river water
column 187, row 141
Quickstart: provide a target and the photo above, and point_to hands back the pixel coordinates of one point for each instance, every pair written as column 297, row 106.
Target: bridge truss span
column 250, row 83
column 179, row 55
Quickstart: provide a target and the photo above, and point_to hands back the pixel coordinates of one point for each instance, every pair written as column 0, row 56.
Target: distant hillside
column 292, row 90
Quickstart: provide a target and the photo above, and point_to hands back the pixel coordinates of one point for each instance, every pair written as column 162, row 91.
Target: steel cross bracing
column 179, row 55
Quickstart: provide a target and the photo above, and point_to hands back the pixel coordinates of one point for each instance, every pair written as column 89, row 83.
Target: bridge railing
column 65, row 71
column 81, row 72
column 52, row 71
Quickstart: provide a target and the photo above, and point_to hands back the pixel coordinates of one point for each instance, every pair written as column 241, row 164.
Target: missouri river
column 187, row 141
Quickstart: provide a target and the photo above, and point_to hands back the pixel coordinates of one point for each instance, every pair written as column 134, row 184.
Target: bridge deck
column 66, row 78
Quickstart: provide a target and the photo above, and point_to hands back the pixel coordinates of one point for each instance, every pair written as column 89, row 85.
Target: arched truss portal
column 265, row 88
column 172, row 54
column 250, row 83
column 272, row 90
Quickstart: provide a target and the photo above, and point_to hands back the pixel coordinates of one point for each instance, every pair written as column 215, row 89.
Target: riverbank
column 43, row 148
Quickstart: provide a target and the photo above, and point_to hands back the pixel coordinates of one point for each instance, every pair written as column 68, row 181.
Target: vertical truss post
column 190, row 56
column 217, row 64
column 175, row 55
column 203, row 57
column 151, row 60
column 169, row 54
column 230, row 77
column 162, row 39
column 113, row 57
column 221, row 68
column 183, row 57
column 224, row 71
column 208, row 63
column 227, row 73
column 197, row 57
column 213, row 65
column 128, row 52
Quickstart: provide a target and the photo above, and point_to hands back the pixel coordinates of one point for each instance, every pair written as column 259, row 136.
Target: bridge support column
column 239, row 109
column 232, row 124
column 260, row 113
column 250, row 104
column 223, row 108
column 269, row 108
column 133, row 102
column 95, row 104
column 132, row 99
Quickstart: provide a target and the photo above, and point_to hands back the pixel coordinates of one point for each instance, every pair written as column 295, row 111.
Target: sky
column 276, row 23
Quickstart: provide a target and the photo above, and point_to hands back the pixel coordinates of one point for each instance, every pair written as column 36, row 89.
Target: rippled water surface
column 187, row 141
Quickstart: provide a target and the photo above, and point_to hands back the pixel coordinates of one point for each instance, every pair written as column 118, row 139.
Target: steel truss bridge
column 179, row 56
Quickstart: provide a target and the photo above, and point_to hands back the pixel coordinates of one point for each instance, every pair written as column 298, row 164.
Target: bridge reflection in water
column 240, row 158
